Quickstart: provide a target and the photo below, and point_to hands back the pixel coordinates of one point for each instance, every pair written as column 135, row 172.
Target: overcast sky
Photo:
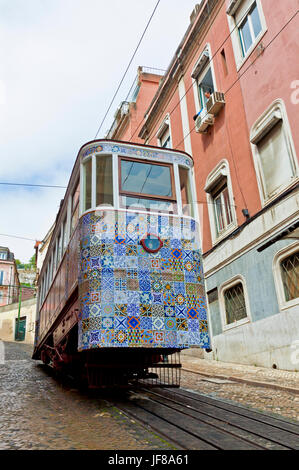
column 60, row 64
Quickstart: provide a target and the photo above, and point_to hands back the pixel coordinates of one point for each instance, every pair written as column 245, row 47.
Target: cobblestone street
column 37, row 412
column 269, row 390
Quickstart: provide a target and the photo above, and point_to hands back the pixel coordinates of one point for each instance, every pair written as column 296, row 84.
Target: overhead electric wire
column 33, row 185
column 15, row 236
column 128, row 66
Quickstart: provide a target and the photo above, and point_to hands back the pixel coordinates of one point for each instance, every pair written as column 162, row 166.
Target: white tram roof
column 147, row 152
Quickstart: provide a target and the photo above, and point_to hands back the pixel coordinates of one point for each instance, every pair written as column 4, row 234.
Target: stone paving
column 216, row 379
column 276, row 377
column 38, row 412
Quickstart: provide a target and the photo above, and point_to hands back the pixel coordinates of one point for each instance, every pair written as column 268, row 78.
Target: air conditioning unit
column 203, row 122
column 215, row 103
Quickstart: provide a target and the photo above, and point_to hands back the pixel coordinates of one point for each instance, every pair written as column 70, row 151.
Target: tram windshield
column 145, row 184
column 142, row 184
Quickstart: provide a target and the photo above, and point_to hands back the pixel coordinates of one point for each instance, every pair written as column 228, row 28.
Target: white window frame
column 275, row 112
column 236, row 13
column 198, row 72
column 161, row 131
column 278, row 258
column 223, row 287
column 221, row 170
column 3, row 255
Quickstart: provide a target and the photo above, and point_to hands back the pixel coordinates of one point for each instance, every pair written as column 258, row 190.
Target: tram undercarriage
column 114, row 368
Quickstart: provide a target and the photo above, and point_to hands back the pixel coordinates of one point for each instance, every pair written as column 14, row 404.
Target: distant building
column 41, row 248
column 130, row 113
column 9, row 279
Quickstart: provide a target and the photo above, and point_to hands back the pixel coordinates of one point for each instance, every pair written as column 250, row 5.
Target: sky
column 60, row 64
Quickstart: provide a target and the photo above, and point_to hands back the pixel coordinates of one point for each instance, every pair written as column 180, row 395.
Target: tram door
column 21, row 331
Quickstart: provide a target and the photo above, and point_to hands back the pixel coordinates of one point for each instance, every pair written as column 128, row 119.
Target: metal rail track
column 192, row 421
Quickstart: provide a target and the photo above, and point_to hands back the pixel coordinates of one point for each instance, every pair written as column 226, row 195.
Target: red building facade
column 230, row 99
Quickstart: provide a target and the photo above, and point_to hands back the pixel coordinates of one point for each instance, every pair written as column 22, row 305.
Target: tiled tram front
column 130, row 295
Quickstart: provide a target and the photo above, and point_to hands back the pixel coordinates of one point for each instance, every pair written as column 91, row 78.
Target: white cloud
column 61, row 63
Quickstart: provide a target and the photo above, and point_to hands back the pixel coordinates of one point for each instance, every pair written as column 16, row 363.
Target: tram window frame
column 98, row 158
column 88, row 170
column 75, row 207
column 186, row 185
column 171, row 199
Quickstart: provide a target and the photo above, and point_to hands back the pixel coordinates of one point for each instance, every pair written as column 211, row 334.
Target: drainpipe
column 19, row 311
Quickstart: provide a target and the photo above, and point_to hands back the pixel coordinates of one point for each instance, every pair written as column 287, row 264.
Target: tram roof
column 149, row 148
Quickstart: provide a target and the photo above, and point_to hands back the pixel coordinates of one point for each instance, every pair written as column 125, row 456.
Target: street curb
column 246, row 381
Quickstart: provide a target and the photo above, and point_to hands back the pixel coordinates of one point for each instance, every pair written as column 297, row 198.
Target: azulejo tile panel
column 132, row 298
column 139, row 152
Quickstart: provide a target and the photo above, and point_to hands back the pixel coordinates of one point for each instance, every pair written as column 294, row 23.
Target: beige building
column 9, row 321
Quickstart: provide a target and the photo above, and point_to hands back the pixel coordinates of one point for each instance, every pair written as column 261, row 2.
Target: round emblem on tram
column 151, row 243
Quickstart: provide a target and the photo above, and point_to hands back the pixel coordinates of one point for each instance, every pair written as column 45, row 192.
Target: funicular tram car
column 121, row 289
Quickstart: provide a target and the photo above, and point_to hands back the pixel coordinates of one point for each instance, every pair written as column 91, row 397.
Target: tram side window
column 75, row 208
column 147, row 185
column 65, row 239
column 87, row 172
column 186, row 195
column 104, row 180
column 59, row 249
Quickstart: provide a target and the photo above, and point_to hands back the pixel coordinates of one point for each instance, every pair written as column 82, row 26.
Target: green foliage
column 29, row 265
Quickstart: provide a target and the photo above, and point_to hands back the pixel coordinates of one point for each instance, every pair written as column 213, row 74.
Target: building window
column 203, row 80
column 1, row 277
column 220, row 201
column 222, row 207
column 273, row 151
column 250, row 28
column 290, row 276
column 235, row 308
column 165, row 139
column 3, row 255
column 234, row 303
column 164, row 134
column 286, row 276
column 205, row 86
column 247, row 26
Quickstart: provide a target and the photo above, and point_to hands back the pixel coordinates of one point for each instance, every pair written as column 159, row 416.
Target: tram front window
column 104, row 180
column 186, row 196
column 147, row 185
column 87, row 185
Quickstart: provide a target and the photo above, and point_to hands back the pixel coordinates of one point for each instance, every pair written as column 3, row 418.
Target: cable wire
column 33, row 185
